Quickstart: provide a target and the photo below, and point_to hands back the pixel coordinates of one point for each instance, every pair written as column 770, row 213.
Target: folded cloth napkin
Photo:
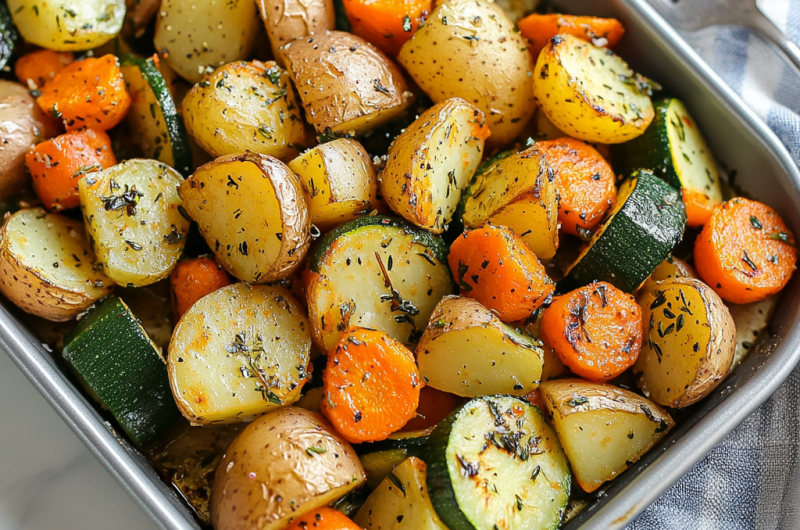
column 752, row 479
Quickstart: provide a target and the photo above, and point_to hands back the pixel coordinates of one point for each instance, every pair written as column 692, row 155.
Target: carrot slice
column 745, row 252
column 87, row 93
column 434, row 406
column 584, row 180
column 494, row 266
column 58, row 164
column 387, row 24
column 539, row 29
column 595, row 330
column 192, row 279
column 35, row 69
column 699, row 207
column 371, row 385
column 323, row 519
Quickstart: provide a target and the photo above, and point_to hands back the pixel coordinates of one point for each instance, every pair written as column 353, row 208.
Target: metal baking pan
column 739, row 139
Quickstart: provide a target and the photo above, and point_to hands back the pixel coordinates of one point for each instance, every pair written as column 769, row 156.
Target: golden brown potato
column 251, row 211
column 287, row 19
column 470, row 49
column 284, row 464
column 47, row 267
column 345, row 83
column 245, row 106
column 432, row 162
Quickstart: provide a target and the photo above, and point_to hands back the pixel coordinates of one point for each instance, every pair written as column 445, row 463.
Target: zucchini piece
column 381, row 463
column 673, row 148
column 121, row 368
column 409, row 441
column 645, row 225
column 496, row 463
column 376, row 272
column 153, row 119
column 8, row 35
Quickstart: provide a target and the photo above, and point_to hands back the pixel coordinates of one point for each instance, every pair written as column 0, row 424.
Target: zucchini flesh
column 496, row 463
column 646, row 224
column 673, row 148
column 153, row 118
column 8, row 35
column 120, row 366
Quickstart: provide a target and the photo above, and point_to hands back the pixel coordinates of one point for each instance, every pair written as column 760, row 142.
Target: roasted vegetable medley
column 376, row 264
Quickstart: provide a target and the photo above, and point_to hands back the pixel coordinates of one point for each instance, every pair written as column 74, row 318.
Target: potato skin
column 287, row 19
column 269, row 473
column 345, row 83
column 470, row 49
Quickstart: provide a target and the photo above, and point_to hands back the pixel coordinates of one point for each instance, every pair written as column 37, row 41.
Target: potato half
column 603, row 429
column 466, row 350
column 284, row 464
column 432, row 162
column 239, row 352
column 47, row 267
column 245, row 106
column 196, row 38
column 470, row 49
column 287, row 19
column 590, row 93
column 134, row 219
column 689, row 342
column 346, row 84
column 518, row 192
column 251, row 211
column 68, row 25
column 339, row 182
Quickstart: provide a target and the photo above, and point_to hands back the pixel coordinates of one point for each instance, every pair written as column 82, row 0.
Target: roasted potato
column 669, row 268
column 518, row 192
column 134, row 219
column 265, row 333
column 751, row 321
column 22, row 126
column 47, row 267
column 688, row 345
column 432, row 162
column 287, row 19
column 345, row 83
column 251, row 211
column 339, row 182
column 406, row 508
column 603, row 429
column 68, row 25
column 466, row 350
column 470, row 49
column 590, row 93
column 196, row 38
column 284, row 464
column 245, row 106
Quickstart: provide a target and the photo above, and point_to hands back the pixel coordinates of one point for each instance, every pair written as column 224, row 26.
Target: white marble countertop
column 48, row 479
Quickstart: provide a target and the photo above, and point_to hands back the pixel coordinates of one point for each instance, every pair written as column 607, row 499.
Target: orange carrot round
column 57, row 165
column 323, row 519
column 434, row 406
column 584, row 180
column 595, row 330
column 387, row 24
column 745, row 251
column 539, row 29
column 36, row 69
column 494, row 266
column 371, row 385
column 88, row 93
column 699, row 207
column 192, row 279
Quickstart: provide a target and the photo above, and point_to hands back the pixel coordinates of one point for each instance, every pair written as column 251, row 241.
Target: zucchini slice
column 673, row 148
column 8, row 35
column 153, row 118
column 496, row 463
column 645, row 225
column 120, row 366
column 376, row 272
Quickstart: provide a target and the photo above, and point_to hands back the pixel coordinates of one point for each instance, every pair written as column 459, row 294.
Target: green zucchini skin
column 173, row 123
column 9, row 36
column 434, row 243
column 410, row 442
column 630, row 244
column 122, row 368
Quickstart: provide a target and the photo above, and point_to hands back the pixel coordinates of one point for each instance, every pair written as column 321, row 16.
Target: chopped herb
column 406, row 23
column 680, row 322
column 748, row 261
column 535, row 473
column 133, row 245
column 755, row 222
column 316, row 450
column 380, row 88
column 660, row 300
column 462, row 270
column 86, row 169
column 575, row 402
column 783, row 237
column 468, row 469
column 396, row 481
